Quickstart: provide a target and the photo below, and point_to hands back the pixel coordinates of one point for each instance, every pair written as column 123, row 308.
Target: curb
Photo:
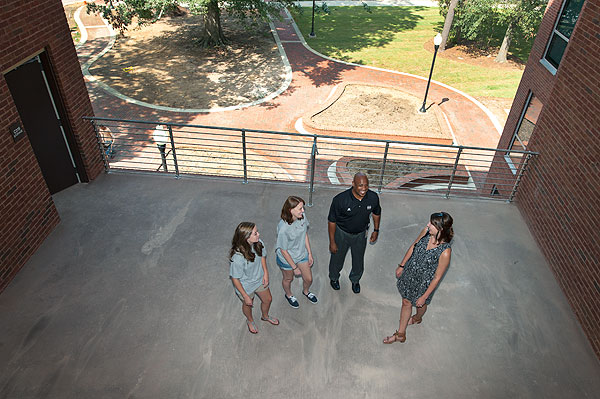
column 489, row 114
column 110, row 90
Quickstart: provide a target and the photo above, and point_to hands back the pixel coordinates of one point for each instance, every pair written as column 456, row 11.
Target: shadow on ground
column 377, row 28
column 170, row 68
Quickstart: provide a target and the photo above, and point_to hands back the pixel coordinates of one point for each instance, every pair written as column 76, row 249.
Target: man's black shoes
column 335, row 284
column 355, row 288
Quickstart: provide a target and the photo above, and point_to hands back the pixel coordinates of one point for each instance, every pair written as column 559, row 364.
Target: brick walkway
column 314, row 77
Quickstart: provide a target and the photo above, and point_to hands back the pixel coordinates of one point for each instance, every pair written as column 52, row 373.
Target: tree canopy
column 122, row 14
column 479, row 21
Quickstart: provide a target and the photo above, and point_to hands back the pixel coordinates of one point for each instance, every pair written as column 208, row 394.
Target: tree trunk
column 501, row 57
column 448, row 24
column 457, row 33
column 212, row 34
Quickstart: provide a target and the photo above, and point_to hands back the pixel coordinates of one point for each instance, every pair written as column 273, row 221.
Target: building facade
column 46, row 146
column 556, row 112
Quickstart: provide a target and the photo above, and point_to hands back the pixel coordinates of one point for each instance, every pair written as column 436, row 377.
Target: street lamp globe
column 437, row 40
column 160, row 135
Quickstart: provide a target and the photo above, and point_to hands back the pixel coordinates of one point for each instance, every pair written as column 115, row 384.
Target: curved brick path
column 314, row 78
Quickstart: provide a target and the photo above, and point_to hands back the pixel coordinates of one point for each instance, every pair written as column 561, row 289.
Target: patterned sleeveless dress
column 419, row 270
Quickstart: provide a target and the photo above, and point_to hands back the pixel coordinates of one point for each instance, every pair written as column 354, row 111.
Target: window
column 524, row 130
column 561, row 34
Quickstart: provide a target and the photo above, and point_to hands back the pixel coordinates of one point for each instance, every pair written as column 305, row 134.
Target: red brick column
column 27, row 213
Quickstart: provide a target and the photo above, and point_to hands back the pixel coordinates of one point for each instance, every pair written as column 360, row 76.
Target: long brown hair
column 443, row 223
column 239, row 242
column 290, row 203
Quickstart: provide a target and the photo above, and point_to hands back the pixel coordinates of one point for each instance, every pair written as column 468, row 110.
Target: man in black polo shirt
column 348, row 218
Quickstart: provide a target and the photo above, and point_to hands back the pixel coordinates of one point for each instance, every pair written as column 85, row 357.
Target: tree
column 458, row 16
column 525, row 15
column 122, row 13
column 448, row 23
column 503, row 52
column 479, row 21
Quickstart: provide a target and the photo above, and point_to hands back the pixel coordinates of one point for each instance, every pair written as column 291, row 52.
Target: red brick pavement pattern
column 313, row 79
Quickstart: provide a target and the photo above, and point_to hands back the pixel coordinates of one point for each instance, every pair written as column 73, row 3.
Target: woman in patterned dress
column 421, row 270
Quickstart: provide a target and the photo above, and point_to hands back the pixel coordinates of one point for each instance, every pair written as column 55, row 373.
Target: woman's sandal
column 271, row 320
column 252, row 327
column 415, row 320
column 395, row 337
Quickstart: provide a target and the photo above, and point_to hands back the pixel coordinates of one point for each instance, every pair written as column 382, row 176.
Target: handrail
column 447, row 170
column 322, row 136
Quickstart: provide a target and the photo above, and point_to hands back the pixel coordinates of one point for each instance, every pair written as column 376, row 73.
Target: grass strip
column 394, row 38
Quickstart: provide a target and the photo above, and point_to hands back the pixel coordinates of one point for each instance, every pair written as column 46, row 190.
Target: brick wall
column 535, row 77
column 27, row 212
column 539, row 80
column 559, row 196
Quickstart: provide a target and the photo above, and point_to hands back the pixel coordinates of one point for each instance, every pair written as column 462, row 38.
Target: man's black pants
column 357, row 243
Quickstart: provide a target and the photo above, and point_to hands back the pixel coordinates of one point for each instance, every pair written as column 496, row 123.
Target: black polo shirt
column 351, row 214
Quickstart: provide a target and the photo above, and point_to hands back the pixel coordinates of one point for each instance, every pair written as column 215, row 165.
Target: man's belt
column 354, row 234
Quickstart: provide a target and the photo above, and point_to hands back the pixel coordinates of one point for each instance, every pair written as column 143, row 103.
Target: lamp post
column 161, row 138
column 312, row 29
column 437, row 40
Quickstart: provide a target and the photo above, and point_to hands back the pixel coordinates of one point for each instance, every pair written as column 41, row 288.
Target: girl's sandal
column 252, row 327
column 271, row 320
column 415, row 320
column 395, row 337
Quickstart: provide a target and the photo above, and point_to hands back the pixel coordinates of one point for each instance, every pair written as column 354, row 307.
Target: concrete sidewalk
column 130, row 297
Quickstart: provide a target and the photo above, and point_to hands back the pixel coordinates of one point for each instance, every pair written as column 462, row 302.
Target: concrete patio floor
column 129, row 297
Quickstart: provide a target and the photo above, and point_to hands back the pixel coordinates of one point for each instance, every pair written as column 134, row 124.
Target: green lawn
column 393, row 38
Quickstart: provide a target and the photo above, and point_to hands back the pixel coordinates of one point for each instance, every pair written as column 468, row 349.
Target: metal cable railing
column 247, row 154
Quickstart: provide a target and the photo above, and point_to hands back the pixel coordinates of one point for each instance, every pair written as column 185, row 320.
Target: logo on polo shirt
column 368, row 207
column 349, row 209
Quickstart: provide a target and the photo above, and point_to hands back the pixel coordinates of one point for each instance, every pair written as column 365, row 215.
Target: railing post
column 244, row 157
column 313, row 158
column 460, row 149
column 387, row 146
column 519, row 176
column 101, row 147
column 173, row 151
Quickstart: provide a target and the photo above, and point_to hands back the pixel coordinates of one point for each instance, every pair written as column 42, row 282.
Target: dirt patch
column 366, row 108
column 163, row 64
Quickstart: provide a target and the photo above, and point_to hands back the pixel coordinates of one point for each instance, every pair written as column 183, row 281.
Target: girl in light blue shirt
column 249, row 274
column 294, row 256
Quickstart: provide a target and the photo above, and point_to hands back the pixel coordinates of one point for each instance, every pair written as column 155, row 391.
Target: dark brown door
column 30, row 91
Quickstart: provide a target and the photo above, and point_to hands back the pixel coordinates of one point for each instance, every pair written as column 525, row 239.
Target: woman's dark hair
column 290, row 203
column 239, row 242
column 443, row 223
